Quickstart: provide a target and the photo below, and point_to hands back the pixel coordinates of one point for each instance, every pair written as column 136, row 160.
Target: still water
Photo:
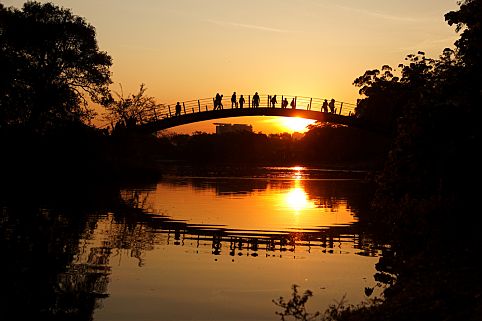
column 194, row 247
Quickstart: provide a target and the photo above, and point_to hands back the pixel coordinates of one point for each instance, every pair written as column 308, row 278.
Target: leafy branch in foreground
column 295, row 307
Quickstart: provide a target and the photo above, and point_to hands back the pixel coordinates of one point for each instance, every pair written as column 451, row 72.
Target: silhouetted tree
column 433, row 153
column 379, row 87
column 425, row 194
column 50, row 66
column 426, row 185
column 468, row 20
column 342, row 145
column 133, row 110
column 387, row 95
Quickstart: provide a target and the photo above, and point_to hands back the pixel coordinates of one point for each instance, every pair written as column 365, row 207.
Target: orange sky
column 190, row 49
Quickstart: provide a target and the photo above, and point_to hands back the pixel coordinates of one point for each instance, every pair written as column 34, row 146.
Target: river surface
column 218, row 246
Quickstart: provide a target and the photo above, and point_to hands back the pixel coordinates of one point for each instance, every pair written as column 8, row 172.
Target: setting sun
column 294, row 124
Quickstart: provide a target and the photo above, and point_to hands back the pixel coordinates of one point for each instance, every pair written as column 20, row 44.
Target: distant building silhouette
column 223, row 128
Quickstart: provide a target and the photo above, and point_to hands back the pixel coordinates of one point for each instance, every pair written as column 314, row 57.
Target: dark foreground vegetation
column 426, row 186
column 329, row 145
column 427, row 166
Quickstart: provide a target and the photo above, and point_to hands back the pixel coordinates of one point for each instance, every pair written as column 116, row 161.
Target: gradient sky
column 190, row 49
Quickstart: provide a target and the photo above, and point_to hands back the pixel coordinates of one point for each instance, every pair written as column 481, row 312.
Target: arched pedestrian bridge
column 192, row 111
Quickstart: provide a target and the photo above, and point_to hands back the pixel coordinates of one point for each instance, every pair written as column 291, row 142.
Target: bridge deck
column 193, row 111
column 173, row 121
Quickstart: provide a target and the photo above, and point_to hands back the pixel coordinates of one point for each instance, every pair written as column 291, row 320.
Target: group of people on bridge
column 218, row 103
column 327, row 107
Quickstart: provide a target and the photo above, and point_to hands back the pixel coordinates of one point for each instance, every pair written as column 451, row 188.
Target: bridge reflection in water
column 239, row 233
column 162, row 231
column 196, row 238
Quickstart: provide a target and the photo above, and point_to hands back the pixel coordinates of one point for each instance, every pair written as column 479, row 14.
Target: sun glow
column 297, row 199
column 295, row 124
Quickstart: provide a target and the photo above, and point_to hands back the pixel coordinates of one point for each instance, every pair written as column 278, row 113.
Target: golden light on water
column 297, row 200
column 297, row 173
column 295, row 124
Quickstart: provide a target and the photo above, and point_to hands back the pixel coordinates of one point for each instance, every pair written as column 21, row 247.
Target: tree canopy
column 433, row 110
column 468, row 20
column 51, row 66
column 425, row 193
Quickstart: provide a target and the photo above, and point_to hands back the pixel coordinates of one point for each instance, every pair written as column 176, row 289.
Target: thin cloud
column 431, row 44
column 247, row 26
column 379, row 14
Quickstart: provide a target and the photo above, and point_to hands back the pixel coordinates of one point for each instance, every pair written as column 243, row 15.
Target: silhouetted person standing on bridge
column 324, row 107
column 233, row 101
column 273, row 101
column 218, row 102
column 332, row 106
column 284, row 103
column 256, row 100
column 178, row 109
column 293, row 103
column 241, row 101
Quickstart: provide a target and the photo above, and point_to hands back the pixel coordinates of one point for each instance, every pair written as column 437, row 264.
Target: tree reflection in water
column 40, row 276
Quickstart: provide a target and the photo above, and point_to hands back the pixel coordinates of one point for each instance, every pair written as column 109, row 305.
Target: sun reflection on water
column 288, row 200
column 297, row 199
column 297, row 171
column 297, row 168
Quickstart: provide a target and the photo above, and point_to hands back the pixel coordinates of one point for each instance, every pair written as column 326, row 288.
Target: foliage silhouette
column 51, row 65
column 136, row 109
column 342, row 146
column 295, row 307
column 426, row 185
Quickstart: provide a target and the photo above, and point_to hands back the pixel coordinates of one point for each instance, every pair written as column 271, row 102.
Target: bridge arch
column 193, row 111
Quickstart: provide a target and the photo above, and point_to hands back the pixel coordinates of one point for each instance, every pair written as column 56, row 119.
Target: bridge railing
column 207, row 104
